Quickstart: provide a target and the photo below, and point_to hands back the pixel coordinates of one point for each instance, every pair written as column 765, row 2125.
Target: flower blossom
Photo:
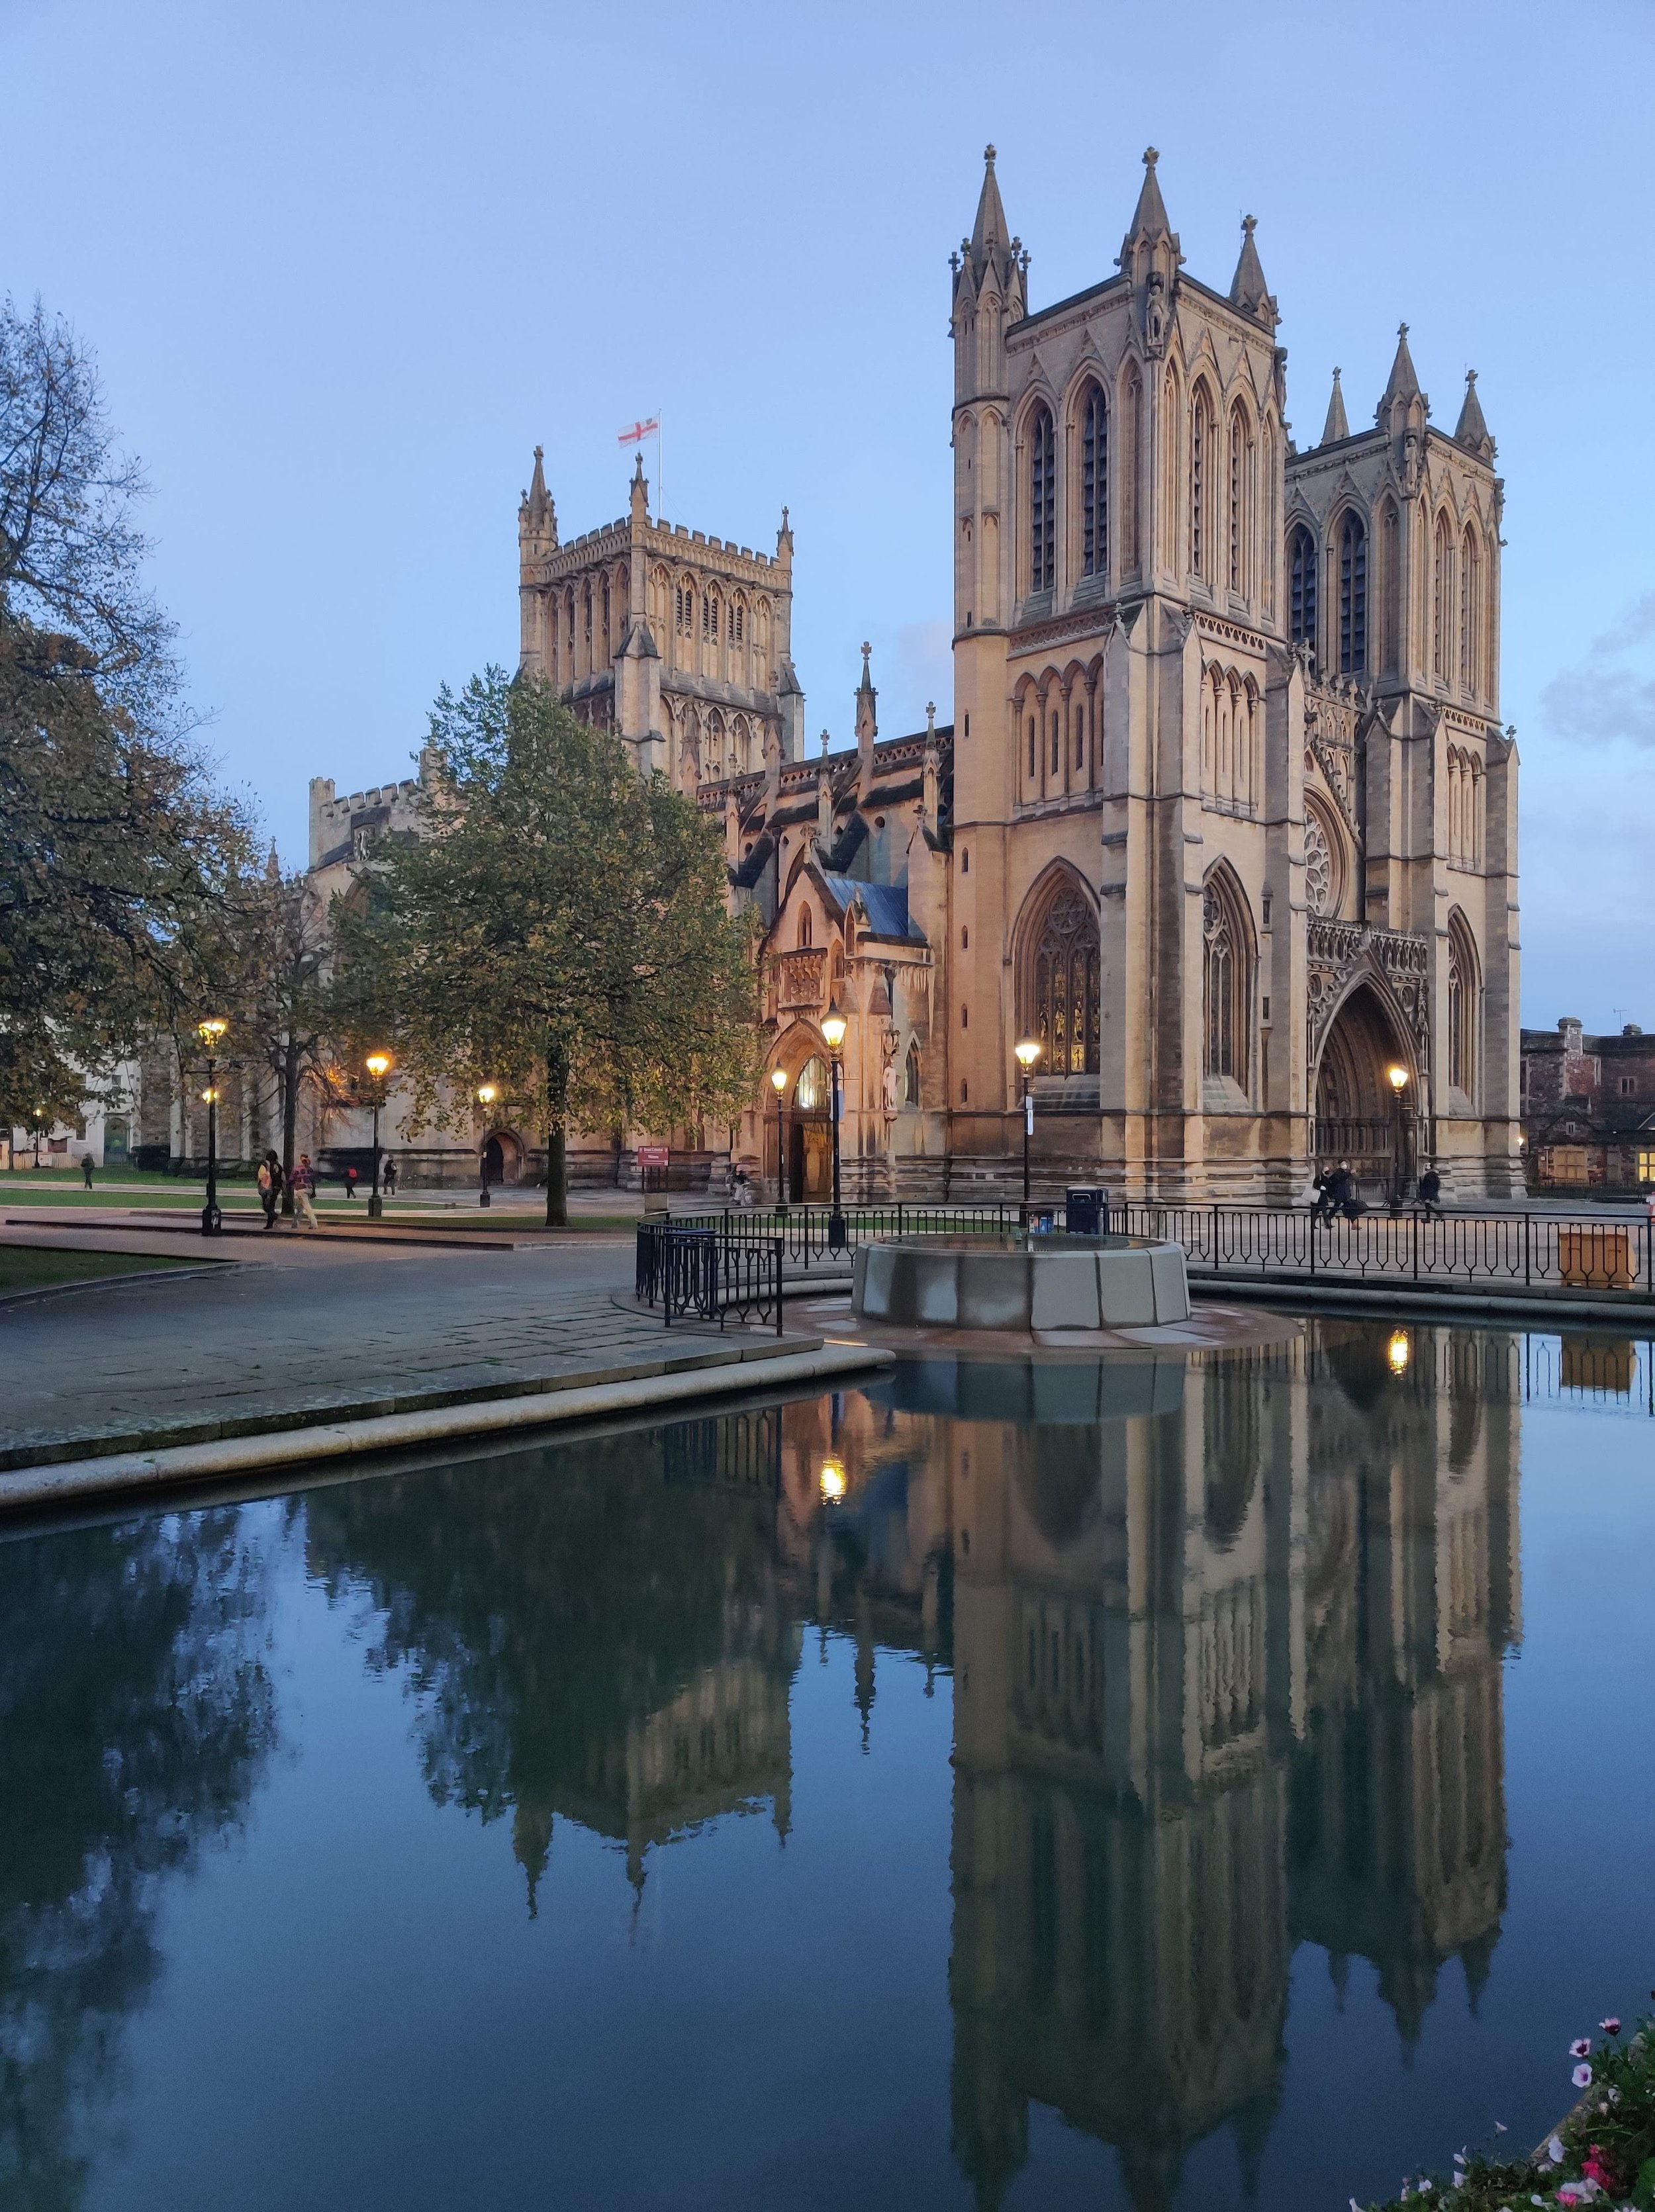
column 1580, row 2048
column 1611, row 2025
column 1581, row 2077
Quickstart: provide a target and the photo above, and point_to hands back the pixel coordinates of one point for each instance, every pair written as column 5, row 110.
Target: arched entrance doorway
column 1359, row 1115
column 810, row 1136
column 502, row 1160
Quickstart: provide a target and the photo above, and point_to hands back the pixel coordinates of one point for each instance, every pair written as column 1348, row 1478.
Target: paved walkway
column 323, row 1336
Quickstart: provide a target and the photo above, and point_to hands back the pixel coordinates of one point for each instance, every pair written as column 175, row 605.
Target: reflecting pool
column 1148, row 1783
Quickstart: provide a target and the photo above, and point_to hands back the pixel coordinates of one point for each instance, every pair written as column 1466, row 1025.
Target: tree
column 559, row 928
column 113, row 840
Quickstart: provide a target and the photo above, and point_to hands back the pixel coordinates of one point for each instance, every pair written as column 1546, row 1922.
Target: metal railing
column 689, row 1269
column 1582, row 1255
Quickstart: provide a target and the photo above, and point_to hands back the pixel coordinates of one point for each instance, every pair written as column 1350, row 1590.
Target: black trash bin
column 1085, row 1210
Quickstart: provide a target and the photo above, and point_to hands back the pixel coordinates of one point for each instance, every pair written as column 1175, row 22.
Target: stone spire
column 1404, row 384
column 537, row 517
column 868, row 727
column 1337, row 426
column 639, row 492
column 1150, row 258
column 991, row 262
column 990, row 232
column 1248, row 290
column 1471, row 431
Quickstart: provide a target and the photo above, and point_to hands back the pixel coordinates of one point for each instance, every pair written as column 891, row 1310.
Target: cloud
column 1595, row 700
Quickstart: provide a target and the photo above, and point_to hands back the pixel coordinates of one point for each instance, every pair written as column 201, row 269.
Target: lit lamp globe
column 1398, row 1078
column 486, row 1095
column 778, row 1078
column 833, row 1028
column 210, row 1031
column 378, row 1065
column 1027, row 1053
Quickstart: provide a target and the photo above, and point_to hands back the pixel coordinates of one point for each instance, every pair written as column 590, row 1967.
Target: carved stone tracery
column 1339, row 951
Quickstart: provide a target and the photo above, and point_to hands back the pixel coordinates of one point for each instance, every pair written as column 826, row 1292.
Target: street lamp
column 833, row 1028
column 1027, row 1053
column 779, row 1080
column 486, row 1095
column 378, row 1065
column 39, row 1124
column 1397, row 1075
column 209, row 1031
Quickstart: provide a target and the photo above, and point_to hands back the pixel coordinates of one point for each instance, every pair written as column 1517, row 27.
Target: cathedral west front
column 1223, row 818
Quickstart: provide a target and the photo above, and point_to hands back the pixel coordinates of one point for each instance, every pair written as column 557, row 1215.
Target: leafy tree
column 113, row 840
column 559, row 928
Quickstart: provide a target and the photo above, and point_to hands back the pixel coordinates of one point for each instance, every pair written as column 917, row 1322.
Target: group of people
column 273, row 1179
column 1334, row 1192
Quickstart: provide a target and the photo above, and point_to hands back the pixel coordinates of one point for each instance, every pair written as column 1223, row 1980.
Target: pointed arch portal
column 1357, row 1114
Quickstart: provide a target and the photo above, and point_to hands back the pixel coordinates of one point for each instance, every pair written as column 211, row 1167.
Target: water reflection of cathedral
column 1226, row 1640
column 1227, row 1678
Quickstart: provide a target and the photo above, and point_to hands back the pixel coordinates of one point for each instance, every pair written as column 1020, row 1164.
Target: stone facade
column 1589, row 1109
column 1225, row 818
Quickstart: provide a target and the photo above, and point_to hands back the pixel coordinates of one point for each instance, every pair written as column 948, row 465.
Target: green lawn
column 25, row 1269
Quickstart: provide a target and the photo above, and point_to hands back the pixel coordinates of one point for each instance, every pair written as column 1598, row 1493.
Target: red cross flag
column 638, row 430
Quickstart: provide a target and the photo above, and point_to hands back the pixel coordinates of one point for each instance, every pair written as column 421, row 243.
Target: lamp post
column 378, row 1065
column 39, row 1124
column 209, row 1032
column 486, row 1095
column 1398, row 1078
column 779, row 1080
column 833, row 1030
column 1027, row 1053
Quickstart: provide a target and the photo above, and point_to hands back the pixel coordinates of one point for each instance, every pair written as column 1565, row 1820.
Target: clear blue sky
column 344, row 266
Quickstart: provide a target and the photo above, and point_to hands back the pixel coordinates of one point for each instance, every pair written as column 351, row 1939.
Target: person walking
column 270, row 1186
column 1431, row 1192
column 86, row 1168
column 350, row 1182
column 1321, row 1203
column 388, row 1178
column 304, row 1191
column 1342, row 1192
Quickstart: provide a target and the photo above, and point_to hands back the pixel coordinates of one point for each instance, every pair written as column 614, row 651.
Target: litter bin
column 1085, row 1211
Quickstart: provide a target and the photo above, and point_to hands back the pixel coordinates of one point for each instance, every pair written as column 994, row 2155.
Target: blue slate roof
column 886, row 906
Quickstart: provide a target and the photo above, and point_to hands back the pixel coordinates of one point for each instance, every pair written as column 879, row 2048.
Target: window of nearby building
column 1646, row 1164
column 1042, row 504
column 1226, row 985
column 1094, row 485
column 1353, row 597
column 910, row 1087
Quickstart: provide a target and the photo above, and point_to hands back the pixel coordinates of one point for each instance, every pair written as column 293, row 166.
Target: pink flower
column 1580, row 2048
column 1581, row 2077
column 1611, row 2025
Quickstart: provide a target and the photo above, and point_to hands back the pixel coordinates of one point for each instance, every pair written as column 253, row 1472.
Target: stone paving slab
column 199, row 1358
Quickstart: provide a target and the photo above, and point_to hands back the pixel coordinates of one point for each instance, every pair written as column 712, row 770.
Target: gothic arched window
column 1131, row 449
column 606, row 651
column 1094, row 484
column 1442, row 596
column 1226, row 1005
column 1301, row 589
column 1065, row 985
column 910, row 1084
column 1201, row 454
column 1470, row 670
column 1353, row 597
column 1043, row 502
column 1462, row 1010
column 804, row 929
column 1240, row 471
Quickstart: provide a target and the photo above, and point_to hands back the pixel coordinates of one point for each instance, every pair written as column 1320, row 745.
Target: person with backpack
column 1431, row 1192
column 270, row 1186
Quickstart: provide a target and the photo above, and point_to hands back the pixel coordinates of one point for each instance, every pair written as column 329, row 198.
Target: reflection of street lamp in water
column 1399, row 1077
column 1397, row 1351
column 486, row 1095
column 779, row 1083
column 832, row 1482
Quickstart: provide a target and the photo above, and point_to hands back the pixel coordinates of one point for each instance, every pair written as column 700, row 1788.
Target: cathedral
column 1224, row 818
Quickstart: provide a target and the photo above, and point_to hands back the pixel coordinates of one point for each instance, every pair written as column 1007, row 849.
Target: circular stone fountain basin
column 1032, row 1283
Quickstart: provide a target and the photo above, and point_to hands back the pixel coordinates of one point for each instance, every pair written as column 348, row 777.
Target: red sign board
column 653, row 1156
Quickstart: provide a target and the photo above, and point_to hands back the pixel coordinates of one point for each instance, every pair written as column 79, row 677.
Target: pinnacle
column 1338, row 425
column 1247, row 290
column 1404, row 384
column 1149, row 219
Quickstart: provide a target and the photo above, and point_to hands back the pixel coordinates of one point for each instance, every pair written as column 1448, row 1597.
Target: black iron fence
column 689, row 1269
column 1566, row 1254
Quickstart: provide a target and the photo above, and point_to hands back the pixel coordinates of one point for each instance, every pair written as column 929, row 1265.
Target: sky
column 343, row 267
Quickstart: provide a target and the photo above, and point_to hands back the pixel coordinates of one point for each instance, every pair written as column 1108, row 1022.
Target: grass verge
column 22, row 1269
